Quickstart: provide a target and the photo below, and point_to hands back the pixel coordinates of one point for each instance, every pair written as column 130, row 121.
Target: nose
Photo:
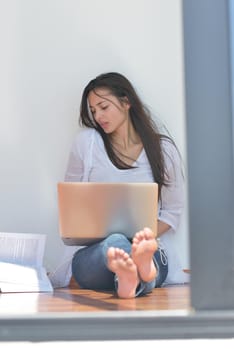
column 98, row 115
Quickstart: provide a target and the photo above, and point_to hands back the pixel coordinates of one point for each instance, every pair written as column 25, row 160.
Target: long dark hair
column 120, row 87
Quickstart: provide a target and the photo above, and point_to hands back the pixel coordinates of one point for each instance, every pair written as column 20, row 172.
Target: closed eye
column 93, row 111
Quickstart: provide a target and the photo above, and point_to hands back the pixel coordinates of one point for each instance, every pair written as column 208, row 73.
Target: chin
column 107, row 131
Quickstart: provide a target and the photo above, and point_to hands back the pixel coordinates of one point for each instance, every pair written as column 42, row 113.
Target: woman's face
column 108, row 111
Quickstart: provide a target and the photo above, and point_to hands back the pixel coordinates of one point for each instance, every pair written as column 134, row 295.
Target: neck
column 125, row 137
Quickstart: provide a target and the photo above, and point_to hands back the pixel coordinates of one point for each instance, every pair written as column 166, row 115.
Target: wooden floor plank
column 77, row 300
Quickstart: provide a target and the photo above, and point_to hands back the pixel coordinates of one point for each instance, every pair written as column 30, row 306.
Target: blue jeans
column 89, row 266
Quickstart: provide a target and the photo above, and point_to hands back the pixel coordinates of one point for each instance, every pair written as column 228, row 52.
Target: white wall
column 50, row 49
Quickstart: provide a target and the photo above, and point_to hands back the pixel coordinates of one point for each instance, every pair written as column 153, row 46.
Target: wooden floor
column 76, row 300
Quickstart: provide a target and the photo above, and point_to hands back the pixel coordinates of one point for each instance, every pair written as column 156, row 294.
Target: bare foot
column 144, row 246
column 123, row 266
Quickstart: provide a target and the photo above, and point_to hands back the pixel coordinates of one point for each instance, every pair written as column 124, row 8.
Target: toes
column 135, row 240
column 129, row 262
column 148, row 233
column 138, row 236
column 117, row 253
column 111, row 252
column 147, row 230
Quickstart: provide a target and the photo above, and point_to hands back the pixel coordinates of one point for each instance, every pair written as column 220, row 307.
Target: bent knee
column 115, row 237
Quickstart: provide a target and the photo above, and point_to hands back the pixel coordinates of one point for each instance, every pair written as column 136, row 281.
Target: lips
column 104, row 125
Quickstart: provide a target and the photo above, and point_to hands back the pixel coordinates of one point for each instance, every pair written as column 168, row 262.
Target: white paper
column 22, row 248
column 21, row 263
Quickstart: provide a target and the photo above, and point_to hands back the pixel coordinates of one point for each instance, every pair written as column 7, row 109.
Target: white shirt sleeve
column 78, row 157
column 78, row 163
column 173, row 195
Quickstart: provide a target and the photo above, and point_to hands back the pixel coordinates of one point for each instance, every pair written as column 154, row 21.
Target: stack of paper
column 21, row 263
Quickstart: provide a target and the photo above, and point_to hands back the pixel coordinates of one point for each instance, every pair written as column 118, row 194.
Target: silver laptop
column 90, row 211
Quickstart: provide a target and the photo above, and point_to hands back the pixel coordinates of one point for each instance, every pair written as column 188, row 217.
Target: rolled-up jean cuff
column 156, row 284
column 161, row 263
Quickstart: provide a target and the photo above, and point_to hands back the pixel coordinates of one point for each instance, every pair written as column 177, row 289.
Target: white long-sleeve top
column 88, row 161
